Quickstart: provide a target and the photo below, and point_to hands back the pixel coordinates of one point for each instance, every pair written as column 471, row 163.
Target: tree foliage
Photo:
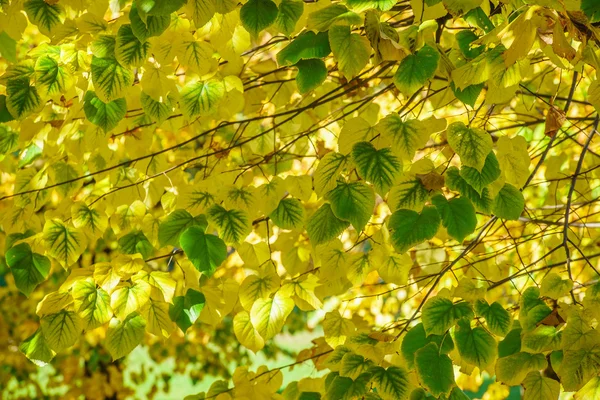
column 414, row 183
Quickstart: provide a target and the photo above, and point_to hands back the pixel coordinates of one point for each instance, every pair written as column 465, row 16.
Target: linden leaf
column 471, row 144
column 207, row 252
column 123, row 337
column 351, row 50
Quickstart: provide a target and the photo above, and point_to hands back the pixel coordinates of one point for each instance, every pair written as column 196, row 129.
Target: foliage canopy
column 415, row 183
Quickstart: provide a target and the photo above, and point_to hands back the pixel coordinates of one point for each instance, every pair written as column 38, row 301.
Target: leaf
column 335, row 14
column 8, row 48
column 130, row 298
column 245, row 333
column 440, row 314
column 5, row 116
column 353, row 365
column 409, row 228
column 63, row 243
column 36, row 349
column 324, row 226
column 555, row 287
column 406, row 136
column 175, row 224
column 380, row 167
column 185, row 310
column 29, row 269
column 269, row 315
column 153, row 25
column 91, row 304
column 158, row 322
column 343, row 388
column 475, row 345
column 159, row 7
column 591, row 9
column 202, row 98
column 362, row 5
column 22, row 98
column 458, row 216
column 111, row 79
column 135, row 242
column 289, row 214
column 45, row 15
column 459, row 7
column 416, row 339
column 305, row 46
column 498, row 320
column 513, row 369
column 480, row 179
column 514, row 160
column 392, row 383
column 234, row 225
column 337, row 329
column 200, row 11
column 434, row 370
column 482, row 202
column 257, row 15
column 351, row 50
column 289, row 13
column 129, row 50
column 540, row 388
column 471, row 144
column 157, row 110
column 416, row 69
column 88, row 218
column 509, row 203
column 578, row 367
column 197, row 55
column 409, row 193
column 311, row 74
column 123, row 337
column 395, row 269
column 61, row 330
column 207, row 252
column 352, row 201
column 329, row 169
column 50, row 77
column 259, row 286
column 105, row 115
column 590, row 391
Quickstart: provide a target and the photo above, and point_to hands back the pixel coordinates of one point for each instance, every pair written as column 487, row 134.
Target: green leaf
column 513, row 369
column 352, row 201
column 28, row 268
column 353, row 365
column 129, row 50
column 62, row 329
column 511, row 343
column 406, row 136
column 106, row 115
column 202, row 98
column 480, row 179
column 123, row 337
column 5, row 115
column 335, row 14
column 509, row 203
column 416, row 69
column 351, row 50
column 111, row 80
column 207, row 252
column 440, row 314
column 542, row 338
column 50, row 77
column 36, row 349
column 289, row 214
column 459, row 7
column 311, row 74
column 185, row 310
column 380, row 167
column 538, row 387
column 136, row 242
column 471, row 144
column 159, row 7
column 233, row 225
column 269, row 315
column 343, row 388
column 409, row 228
column 458, row 216
column 498, row 320
column 22, row 98
column 482, row 202
column 257, row 15
column 555, row 287
column 9, row 139
column 157, row 110
column 104, row 46
column 591, row 8
column 328, row 171
column 362, row 5
column 178, row 221
column 63, row 243
column 416, row 339
column 434, row 370
column 408, row 193
column 92, row 304
column 129, row 298
column 289, row 13
column 324, row 226
column 468, row 95
column 153, row 25
column 475, row 345
column 392, row 383
column 305, row 46
column 8, row 47
column 464, row 38
column 45, row 15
